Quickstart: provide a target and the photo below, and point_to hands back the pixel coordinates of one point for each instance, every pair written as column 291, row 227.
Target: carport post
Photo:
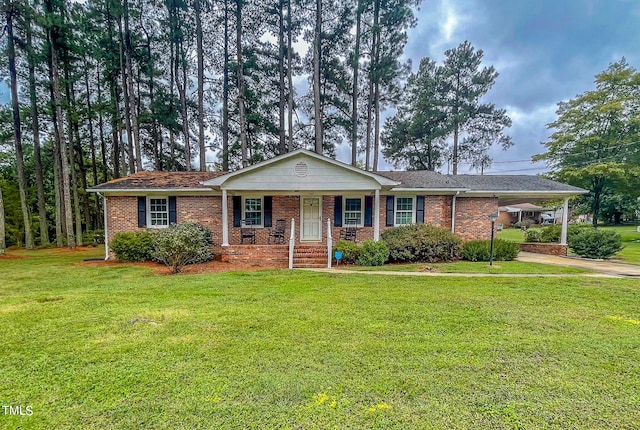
column 565, row 221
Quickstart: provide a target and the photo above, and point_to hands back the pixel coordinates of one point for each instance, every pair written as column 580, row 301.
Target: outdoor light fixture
column 493, row 217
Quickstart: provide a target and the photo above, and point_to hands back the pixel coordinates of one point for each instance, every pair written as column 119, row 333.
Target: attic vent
column 301, row 169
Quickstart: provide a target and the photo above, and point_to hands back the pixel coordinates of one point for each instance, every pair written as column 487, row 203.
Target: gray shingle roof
column 422, row 179
column 159, row 180
column 512, row 183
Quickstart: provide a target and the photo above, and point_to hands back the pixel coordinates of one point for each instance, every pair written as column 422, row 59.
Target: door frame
column 302, row 238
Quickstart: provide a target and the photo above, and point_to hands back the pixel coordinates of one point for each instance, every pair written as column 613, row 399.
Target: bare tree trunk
column 376, row 83
column 133, row 111
column 71, row 128
column 64, row 164
column 200, row 53
column 241, row 108
column 282, row 145
column 103, row 146
column 290, row 76
column 225, row 92
column 354, row 95
column 367, row 152
column 35, row 124
column 3, row 243
column 17, row 129
column 182, row 90
column 317, row 45
column 92, row 145
column 172, row 78
column 127, row 99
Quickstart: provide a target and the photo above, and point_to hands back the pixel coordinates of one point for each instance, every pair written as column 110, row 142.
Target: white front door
column 311, row 219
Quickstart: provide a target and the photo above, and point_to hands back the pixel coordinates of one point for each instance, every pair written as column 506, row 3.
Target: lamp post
column 493, row 217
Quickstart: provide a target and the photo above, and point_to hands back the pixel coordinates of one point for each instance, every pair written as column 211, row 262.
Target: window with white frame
column 404, row 210
column 158, row 212
column 353, row 211
column 253, row 210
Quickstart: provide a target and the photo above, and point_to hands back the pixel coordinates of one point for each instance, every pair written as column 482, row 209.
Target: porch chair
column 277, row 233
column 247, row 232
column 349, row 231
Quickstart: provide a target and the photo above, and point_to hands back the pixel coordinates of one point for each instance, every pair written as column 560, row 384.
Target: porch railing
column 292, row 242
column 329, row 243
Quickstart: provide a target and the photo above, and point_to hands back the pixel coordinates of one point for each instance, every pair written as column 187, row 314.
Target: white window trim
column 344, row 209
column 395, row 210
column 149, row 212
column 261, row 225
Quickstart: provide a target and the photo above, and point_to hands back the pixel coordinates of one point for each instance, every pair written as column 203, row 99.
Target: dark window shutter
column 390, row 211
column 268, row 205
column 142, row 211
column 368, row 211
column 173, row 214
column 237, row 211
column 420, row 209
column 337, row 211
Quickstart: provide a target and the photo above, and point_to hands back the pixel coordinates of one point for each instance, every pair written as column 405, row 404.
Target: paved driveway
column 609, row 268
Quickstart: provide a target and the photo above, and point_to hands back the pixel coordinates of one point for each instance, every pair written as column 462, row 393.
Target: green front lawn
column 504, row 267
column 120, row 347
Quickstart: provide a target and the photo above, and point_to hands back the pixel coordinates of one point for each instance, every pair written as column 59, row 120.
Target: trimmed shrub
column 505, row 250
column 373, row 253
column 480, row 250
column 421, row 242
column 594, row 243
column 350, row 251
column 549, row 234
column 133, row 246
column 476, row 250
column 182, row 244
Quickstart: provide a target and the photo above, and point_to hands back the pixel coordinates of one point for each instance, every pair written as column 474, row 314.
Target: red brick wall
column 544, row 248
column 472, row 220
column 472, row 217
column 122, row 213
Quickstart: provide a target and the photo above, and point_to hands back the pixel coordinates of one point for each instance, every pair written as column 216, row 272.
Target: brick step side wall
column 544, row 248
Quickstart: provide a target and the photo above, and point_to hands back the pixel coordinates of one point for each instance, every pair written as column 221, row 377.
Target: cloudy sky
column 546, row 51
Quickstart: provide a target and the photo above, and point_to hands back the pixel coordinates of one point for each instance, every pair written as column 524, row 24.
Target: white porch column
column 376, row 216
column 225, row 219
column 565, row 221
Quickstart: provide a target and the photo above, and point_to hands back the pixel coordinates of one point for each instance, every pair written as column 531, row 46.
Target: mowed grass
column 498, row 267
column 120, row 347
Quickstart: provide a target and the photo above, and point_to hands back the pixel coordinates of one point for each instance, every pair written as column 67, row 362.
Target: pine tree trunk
column 367, row 162
column 354, row 95
column 225, row 92
column 133, row 115
column 62, row 145
column 172, row 78
column 241, row 108
column 182, row 90
column 127, row 99
column 92, row 145
column 3, row 243
column 376, row 82
column 290, row 76
column 282, row 145
column 71, row 128
column 200, row 54
column 37, row 157
column 22, row 184
column 317, row 107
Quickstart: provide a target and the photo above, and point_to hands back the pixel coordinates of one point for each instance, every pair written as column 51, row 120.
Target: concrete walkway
column 600, row 266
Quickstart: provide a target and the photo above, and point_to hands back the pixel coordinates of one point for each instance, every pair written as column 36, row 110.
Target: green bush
column 132, row 246
column 549, row 234
column 594, row 243
column 480, row 250
column 350, row 251
column 421, row 242
column 373, row 253
column 475, row 250
column 182, row 244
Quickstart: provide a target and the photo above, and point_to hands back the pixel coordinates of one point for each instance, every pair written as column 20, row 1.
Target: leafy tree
column 595, row 142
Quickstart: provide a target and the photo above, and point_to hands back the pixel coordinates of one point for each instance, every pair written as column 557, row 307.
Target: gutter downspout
column 106, row 232
column 453, row 212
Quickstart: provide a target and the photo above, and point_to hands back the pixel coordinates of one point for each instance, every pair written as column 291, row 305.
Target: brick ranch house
column 312, row 200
